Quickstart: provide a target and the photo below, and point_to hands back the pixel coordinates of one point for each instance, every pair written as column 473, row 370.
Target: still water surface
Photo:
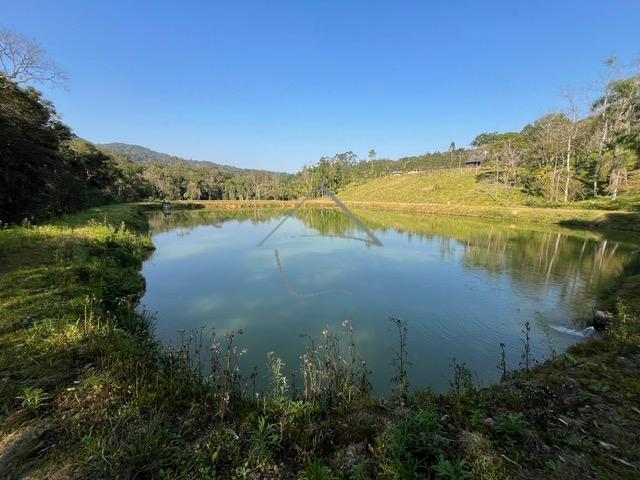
column 462, row 286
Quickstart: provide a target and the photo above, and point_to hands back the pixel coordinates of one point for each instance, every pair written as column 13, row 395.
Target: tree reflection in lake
column 463, row 286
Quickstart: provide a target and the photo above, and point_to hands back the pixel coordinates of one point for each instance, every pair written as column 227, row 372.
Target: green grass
column 446, row 187
column 470, row 194
column 85, row 392
column 468, row 187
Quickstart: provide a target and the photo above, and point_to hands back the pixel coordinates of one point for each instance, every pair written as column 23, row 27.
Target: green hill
column 468, row 187
column 139, row 154
column 450, row 186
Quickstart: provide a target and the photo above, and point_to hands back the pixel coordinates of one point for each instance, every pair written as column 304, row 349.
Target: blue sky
column 276, row 85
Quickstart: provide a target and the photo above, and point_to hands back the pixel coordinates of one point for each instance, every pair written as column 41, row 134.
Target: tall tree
column 570, row 132
column 619, row 110
column 452, row 152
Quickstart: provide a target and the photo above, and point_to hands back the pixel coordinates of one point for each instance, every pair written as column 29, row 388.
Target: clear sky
column 274, row 84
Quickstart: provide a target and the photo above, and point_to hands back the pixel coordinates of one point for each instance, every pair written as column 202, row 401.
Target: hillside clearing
column 468, row 187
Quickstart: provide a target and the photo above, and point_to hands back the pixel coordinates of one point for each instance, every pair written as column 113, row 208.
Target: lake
column 462, row 286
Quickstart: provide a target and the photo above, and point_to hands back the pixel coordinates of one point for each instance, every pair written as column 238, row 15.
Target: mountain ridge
column 140, row 154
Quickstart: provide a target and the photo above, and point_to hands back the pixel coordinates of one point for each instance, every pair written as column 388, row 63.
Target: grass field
column 466, row 187
column 447, row 187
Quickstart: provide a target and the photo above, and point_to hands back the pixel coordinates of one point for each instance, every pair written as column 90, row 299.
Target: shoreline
column 565, row 217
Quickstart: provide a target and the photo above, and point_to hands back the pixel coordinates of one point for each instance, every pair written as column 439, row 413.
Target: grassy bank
column 86, row 393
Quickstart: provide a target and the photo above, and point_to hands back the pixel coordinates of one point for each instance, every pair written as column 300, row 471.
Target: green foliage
column 626, row 327
column 44, row 170
column 413, row 445
column 75, row 350
column 357, row 472
column 30, row 137
column 511, row 425
column 316, row 470
column 149, row 174
column 558, row 159
column 265, row 440
column 33, row 398
column 445, row 469
column 555, row 160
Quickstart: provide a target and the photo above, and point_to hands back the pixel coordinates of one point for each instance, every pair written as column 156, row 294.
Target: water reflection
column 463, row 286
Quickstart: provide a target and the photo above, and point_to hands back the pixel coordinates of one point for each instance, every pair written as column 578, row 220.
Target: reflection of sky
column 217, row 277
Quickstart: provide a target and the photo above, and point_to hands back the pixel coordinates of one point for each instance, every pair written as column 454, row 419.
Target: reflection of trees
column 576, row 264
column 189, row 219
column 573, row 265
column 327, row 221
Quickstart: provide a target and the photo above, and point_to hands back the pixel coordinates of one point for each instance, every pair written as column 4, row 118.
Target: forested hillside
column 160, row 176
column 42, row 173
column 139, row 154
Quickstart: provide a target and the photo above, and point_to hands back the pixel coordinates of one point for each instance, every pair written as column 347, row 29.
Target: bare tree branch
column 24, row 61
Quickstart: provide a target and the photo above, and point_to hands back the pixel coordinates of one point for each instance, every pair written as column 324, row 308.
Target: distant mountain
column 139, row 154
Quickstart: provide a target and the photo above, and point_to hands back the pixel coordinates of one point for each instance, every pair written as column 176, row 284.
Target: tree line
column 566, row 156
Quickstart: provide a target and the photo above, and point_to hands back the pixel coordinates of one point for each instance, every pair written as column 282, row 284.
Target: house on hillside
column 474, row 162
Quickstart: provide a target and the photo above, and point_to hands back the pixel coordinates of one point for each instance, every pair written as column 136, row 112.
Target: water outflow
column 587, row 332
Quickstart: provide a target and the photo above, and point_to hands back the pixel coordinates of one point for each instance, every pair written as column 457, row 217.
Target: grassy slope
column 57, row 283
column 441, row 187
column 464, row 193
column 466, row 187
column 85, row 393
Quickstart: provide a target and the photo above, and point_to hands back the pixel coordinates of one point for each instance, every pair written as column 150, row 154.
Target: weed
column 413, row 444
column 400, row 361
column 329, row 372
column 626, row 329
column 512, row 425
column 277, row 379
column 316, row 470
column 477, row 416
column 503, row 362
column 358, row 471
column 462, row 382
column 33, row 398
column 445, row 469
column 526, row 359
column 130, row 408
column 265, row 440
